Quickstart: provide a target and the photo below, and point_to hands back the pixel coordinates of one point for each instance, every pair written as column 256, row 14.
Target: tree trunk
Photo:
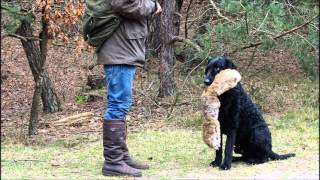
column 153, row 43
column 49, row 98
column 36, row 55
column 35, row 107
column 153, row 40
column 169, row 28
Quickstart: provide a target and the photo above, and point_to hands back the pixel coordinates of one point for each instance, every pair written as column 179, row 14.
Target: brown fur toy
column 223, row 81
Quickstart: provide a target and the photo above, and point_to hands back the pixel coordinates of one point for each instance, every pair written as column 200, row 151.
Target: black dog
column 242, row 122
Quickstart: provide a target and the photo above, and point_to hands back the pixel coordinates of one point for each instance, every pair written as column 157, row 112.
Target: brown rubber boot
column 113, row 143
column 126, row 157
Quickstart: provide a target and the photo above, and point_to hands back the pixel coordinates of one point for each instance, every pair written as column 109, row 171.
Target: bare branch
column 266, row 32
column 306, row 40
column 218, row 11
column 258, row 29
column 187, row 41
column 23, row 38
column 280, row 35
column 296, row 28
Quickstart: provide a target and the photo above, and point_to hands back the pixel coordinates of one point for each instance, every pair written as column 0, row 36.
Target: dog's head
column 214, row 66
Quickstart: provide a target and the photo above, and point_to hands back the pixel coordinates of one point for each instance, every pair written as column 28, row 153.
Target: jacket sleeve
column 133, row 9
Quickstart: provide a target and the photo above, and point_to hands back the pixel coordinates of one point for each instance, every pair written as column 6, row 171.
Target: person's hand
column 159, row 9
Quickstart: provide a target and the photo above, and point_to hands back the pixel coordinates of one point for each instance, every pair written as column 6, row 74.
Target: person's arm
column 134, row 9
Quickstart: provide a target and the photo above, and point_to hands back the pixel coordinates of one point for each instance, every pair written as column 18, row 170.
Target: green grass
column 176, row 150
column 172, row 153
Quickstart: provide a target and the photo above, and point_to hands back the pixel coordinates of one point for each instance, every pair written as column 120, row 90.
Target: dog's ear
column 229, row 64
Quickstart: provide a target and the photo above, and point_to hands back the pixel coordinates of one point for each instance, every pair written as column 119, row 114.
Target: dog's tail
column 275, row 156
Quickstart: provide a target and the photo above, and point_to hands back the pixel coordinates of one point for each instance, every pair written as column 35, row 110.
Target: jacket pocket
column 135, row 29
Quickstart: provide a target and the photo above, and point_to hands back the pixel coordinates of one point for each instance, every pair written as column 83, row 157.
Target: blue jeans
column 119, row 79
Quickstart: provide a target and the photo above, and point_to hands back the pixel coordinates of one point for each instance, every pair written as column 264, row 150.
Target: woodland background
column 47, row 78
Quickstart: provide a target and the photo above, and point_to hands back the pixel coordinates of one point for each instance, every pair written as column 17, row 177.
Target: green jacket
column 127, row 43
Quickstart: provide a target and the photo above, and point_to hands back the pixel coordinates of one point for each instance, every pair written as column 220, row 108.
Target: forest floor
column 163, row 132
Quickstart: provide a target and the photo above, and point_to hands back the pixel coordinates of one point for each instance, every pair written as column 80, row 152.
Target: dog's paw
column 225, row 166
column 215, row 164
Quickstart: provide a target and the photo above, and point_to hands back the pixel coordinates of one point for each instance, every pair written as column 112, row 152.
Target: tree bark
column 167, row 61
column 35, row 107
column 170, row 24
column 153, row 44
column 49, row 98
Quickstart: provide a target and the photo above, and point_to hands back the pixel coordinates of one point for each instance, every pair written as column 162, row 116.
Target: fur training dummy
column 223, row 81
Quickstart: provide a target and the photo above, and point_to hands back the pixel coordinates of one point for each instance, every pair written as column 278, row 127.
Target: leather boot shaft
column 113, row 150
column 113, row 139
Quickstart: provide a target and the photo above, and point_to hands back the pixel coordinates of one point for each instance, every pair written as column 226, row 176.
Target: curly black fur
column 242, row 122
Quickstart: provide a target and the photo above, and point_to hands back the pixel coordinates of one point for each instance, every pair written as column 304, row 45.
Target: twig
column 314, row 26
column 246, row 16
column 174, row 104
column 176, row 100
column 198, row 17
column 177, row 104
column 187, row 17
column 189, row 74
column 218, row 11
column 247, row 23
column 188, row 41
column 153, row 102
column 23, row 38
column 306, row 40
column 296, row 28
column 265, row 17
column 252, row 57
column 267, row 32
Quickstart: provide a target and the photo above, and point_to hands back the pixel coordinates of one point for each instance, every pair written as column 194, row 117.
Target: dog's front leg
column 218, row 159
column 228, row 152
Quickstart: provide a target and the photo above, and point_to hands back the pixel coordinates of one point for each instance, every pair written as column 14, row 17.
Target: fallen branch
column 79, row 118
column 34, row 160
column 280, row 35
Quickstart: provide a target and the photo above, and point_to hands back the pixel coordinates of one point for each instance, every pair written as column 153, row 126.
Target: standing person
column 120, row 55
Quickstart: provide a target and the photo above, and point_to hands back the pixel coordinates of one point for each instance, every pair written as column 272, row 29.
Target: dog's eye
column 217, row 69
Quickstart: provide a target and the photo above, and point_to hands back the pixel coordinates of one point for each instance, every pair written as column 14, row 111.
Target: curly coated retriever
column 242, row 123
